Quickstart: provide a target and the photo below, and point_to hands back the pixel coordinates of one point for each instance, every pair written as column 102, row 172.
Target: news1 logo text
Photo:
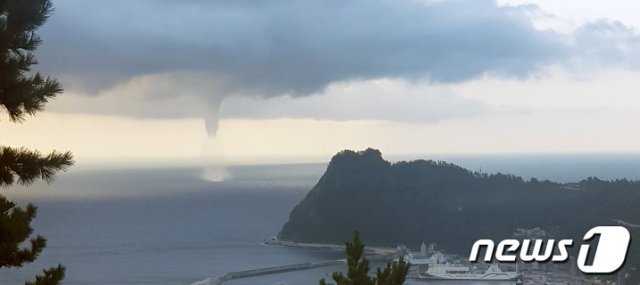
column 610, row 251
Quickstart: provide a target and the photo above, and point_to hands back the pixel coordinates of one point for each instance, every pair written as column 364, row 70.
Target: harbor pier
column 269, row 270
column 374, row 254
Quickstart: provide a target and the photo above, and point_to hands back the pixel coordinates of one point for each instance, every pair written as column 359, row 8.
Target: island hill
column 435, row 201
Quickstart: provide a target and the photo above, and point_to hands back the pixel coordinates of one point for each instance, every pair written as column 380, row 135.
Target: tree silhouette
column 23, row 93
column 358, row 268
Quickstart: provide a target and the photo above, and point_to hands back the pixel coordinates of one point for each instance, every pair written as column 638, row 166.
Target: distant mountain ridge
column 435, row 201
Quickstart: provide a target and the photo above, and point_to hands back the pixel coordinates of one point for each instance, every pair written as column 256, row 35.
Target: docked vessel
column 432, row 264
column 461, row 272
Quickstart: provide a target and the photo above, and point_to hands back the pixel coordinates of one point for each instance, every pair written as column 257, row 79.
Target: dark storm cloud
column 297, row 47
column 167, row 59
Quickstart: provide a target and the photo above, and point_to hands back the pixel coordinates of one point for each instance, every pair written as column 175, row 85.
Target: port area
column 530, row 274
column 373, row 253
column 556, row 278
column 561, row 276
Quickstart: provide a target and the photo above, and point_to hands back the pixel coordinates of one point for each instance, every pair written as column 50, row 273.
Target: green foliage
column 24, row 93
column 14, row 229
column 358, row 268
column 435, row 201
column 395, row 273
column 29, row 165
column 51, row 276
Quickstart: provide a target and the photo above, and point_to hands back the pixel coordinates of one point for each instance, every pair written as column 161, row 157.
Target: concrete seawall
column 276, row 269
column 374, row 253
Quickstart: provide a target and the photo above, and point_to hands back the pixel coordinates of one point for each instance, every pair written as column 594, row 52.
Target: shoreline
column 377, row 251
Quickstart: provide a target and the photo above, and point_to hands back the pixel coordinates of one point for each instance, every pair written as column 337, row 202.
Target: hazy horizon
column 87, row 181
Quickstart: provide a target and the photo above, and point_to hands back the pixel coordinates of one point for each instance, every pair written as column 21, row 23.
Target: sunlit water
column 170, row 226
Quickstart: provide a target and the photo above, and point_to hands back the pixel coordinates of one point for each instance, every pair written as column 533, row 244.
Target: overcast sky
column 274, row 81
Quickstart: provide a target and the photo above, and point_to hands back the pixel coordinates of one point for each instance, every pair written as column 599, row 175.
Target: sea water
column 172, row 226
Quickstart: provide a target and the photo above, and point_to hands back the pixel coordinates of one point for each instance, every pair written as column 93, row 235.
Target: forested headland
column 435, row 201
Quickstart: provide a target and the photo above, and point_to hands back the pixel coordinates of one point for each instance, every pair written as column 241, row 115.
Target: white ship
column 461, row 272
column 433, row 264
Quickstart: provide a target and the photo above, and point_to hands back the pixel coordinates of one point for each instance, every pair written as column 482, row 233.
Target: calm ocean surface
column 170, row 226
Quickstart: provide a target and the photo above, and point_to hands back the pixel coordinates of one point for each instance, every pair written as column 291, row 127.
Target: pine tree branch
column 21, row 94
column 358, row 268
column 27, row 96
column 22, row 17
column 51, row 276
column 29, row 165
column 14, row 229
